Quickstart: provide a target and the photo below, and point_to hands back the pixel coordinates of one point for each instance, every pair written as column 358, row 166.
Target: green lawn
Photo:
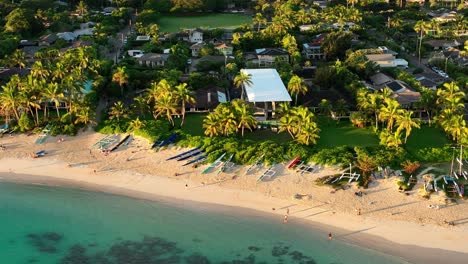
column 335, row 134
column 176, row 23
column 426, row 137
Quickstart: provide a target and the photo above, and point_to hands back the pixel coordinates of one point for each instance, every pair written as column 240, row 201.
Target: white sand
column 386, row 213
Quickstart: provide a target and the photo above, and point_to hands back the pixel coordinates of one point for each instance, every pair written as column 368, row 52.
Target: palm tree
column 389, row 139
column 82, row 8
column 259, row 20
column 30, row 94
column 211, row 125
column 53, row 93
column 325, row 107
column 288, row 123
column 39, row 71
column 9, row 97
column 366, row 165
column 184, row 95
column 136, row 124
column 242, row 80
column 296, row 86
column 340, row 108
column 85, row 115
column 389, row 112
column 309, row 134
column 120, row 76
column 244, row 116
column 455, row 126
column 17, row 59
column 370, row 102
column 118, row 110
column 165, row 106
column 404, row 121
column 140, row 105
column 59, row 72
column 420, row 27
column 427, row 101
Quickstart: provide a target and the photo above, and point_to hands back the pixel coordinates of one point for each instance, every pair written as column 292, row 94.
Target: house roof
column 7, row 73
column 223, row 46
column 380, row 57
column 198, row 45
column 266, row 86
column 68, row 36
column 398, row 86
column 437, row 43
column 380, row 79
column 49, row 38
column 208, row 97
column 154, row 57
column 318, row 40
column 406, row 97
column 271, row 51
column 428, row 83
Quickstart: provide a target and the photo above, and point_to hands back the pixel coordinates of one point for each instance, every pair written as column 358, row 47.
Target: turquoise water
column 41, row 224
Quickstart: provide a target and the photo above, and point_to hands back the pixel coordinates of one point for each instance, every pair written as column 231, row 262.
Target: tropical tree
column 299, row 123
column 85, row 115
column 136, row 124
column 17, row 59
column 242, row 80
column 167, row 106
column 52, row 93
column 369, row 103
column 366, row 165
column 325, row 107
column 117, row 111
column 389, row 112
column 9, row 97
column 390, row 139
column 82, row 8
column 184, row 95
column 296, row 86
column 427, row 101
column 340, row 108
column 120, row 76
column 244, row 116
column 211, row 125
column 420, row 27
column 407, row 123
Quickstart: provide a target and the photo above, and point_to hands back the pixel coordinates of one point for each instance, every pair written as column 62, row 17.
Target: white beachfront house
column 266, row 89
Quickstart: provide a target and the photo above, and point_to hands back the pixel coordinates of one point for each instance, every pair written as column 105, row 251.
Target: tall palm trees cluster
column 168, row 100
column 229, row 118
column 55, row 78
column 300, row 123
column 387, row 110
column 450, row 117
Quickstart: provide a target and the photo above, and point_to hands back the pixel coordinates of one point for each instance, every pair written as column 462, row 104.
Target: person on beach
column 186, row 186
column 285, row 219
column 287, row 211
column 330, row 236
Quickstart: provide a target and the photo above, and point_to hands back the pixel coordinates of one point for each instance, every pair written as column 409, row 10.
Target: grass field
column 426, row 137
column 335, row 134
column 176, row 23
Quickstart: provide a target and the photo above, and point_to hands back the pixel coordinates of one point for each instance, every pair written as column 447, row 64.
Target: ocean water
column 42, row 224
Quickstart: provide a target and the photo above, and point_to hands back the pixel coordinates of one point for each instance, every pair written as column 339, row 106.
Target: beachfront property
column 266, row 91
column 276, row 108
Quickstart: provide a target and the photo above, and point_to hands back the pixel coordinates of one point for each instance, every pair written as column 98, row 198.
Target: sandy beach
column 390, row 221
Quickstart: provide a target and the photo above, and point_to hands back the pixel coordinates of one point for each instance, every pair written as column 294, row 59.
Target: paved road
column 115, row 55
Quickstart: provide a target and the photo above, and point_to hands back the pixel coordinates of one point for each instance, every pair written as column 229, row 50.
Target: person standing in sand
column 285, row 219
column 330, row 236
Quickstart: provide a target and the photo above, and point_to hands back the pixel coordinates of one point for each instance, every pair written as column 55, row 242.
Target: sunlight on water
column 60, row 225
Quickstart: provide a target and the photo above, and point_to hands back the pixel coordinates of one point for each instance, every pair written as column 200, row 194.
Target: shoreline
column 360, row 238
column 391, row 223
